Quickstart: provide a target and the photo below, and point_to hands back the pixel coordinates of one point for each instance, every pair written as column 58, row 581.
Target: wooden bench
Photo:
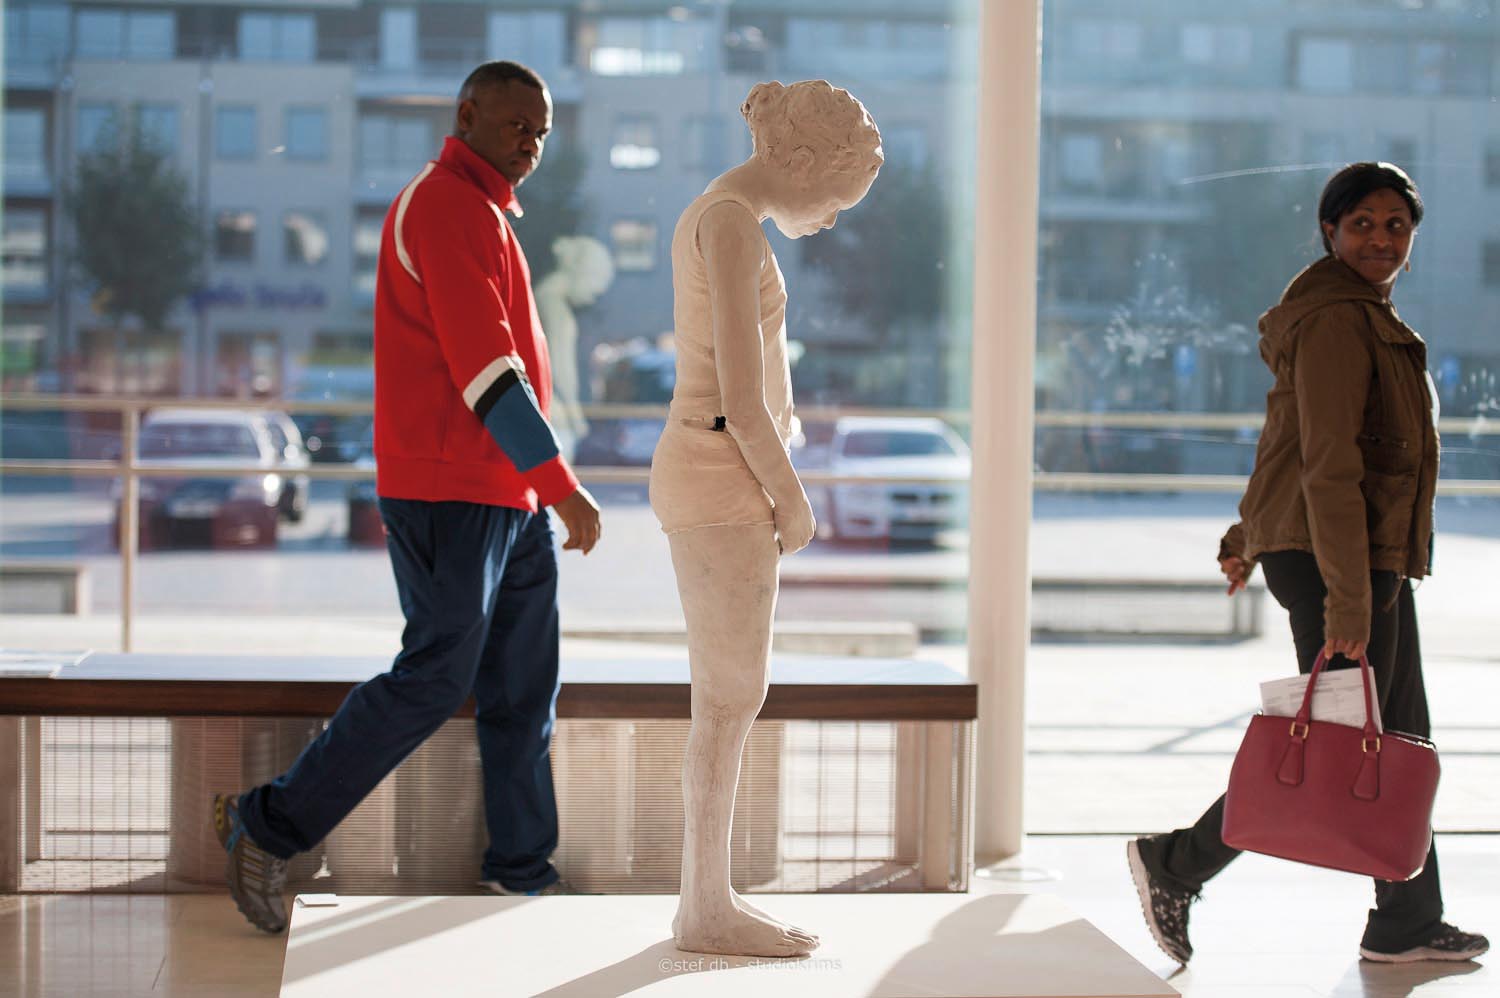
column 218, row 704
column 44, row 587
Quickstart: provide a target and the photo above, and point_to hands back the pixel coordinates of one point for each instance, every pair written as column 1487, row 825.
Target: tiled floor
column 1265, row 929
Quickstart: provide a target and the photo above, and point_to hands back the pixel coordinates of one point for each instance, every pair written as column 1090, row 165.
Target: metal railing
column 129, row 469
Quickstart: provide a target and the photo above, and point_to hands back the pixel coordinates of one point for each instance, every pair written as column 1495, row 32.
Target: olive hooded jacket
column 1347, row 462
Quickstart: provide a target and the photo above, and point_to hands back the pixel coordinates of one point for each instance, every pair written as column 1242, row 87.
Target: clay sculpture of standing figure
column 722, row 482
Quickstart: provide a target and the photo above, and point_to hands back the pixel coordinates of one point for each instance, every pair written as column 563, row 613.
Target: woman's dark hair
column 1357, row 181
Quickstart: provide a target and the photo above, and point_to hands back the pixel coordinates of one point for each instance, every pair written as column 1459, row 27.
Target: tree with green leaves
column 886, row 257
column 554, row 204
column 139, row 235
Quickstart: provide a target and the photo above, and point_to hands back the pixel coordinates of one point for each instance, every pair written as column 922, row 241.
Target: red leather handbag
column 1333, row 795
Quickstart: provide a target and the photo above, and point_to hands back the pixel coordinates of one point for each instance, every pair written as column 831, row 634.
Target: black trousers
column 1405, row 914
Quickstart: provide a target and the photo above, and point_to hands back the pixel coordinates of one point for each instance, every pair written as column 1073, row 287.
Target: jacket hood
column 1328, row 282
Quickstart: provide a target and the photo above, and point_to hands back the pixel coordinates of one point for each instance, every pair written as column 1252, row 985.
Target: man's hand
column 1237, row 571
column 580, row 514
column 1352, row 650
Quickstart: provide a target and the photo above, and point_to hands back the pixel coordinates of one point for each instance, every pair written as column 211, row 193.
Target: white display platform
column 929, row 945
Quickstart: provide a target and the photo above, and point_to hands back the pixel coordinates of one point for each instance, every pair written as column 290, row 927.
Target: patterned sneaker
column 555, row 888
column 256, row 878
column 1448, row 944
column 1164, row 904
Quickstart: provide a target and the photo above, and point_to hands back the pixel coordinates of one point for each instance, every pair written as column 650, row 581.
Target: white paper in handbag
column 1339, row 698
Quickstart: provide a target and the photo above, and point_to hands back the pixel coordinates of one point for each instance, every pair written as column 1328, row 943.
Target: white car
column 213, row 510
column 887, row 450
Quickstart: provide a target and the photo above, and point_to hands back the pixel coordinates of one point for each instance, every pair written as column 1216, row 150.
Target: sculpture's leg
column 728, row 578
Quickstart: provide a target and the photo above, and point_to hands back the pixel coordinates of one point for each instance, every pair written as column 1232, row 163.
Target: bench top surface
column 637, row 686
column 785, row 669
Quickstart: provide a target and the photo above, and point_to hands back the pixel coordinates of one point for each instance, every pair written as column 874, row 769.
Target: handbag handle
column 1304, row 713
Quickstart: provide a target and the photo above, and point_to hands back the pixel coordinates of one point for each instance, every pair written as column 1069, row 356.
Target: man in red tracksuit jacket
column 466, row 462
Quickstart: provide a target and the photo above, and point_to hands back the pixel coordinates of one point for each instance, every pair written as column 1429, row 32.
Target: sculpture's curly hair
column 813, row 114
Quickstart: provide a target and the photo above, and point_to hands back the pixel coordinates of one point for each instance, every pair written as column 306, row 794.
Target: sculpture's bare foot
column 731, row 930
column 747, row 907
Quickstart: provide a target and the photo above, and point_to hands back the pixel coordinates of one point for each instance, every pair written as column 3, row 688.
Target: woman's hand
column 1352, row 650
column 1237, row 571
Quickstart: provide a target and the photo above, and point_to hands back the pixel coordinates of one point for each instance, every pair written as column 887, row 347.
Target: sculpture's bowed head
column 821, row 142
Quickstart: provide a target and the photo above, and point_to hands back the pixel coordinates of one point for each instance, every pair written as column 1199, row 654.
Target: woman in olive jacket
column 1338, row 512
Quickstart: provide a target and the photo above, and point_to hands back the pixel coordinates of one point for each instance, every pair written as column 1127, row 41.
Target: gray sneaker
column 1164, row 904
column 256, row 878
column 1447, row 944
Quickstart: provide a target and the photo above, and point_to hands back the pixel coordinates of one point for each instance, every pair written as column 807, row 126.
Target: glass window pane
column 1325, row 65
column 634, row 243
column 398, row 38
column 234, row 132
column 24, row 243
column 101, row 34
column 97, row 124
column 257, row 37
column 306, row 133
column 158, row 123
column 234, row 236
column 25, row 143
column 151, row 35
column 634, row 146
column 299, row 38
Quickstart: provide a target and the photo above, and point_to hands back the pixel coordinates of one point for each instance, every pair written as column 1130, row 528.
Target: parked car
column 212, row 511
column 887, row 450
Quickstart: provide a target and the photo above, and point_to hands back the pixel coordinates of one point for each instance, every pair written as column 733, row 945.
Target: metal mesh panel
column 124, row 804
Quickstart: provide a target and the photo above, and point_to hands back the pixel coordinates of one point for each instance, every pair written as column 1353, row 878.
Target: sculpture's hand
column 795, row 525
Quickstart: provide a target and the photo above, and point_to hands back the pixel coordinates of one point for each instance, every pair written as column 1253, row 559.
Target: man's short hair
column 492, row 74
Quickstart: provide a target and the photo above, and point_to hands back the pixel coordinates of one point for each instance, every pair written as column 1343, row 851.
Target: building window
column 398, row 38
column 1492, row 264
column 96, row 126
column 24, row 252
column 538, row 38
column 234, row 132
column 278, row 37
column 1325, row 65
column 634, row 241
column 306, row 133
column 1325, row 148
column 1082, row 161
column 634, row 146
column 705, row 143
column 1216, row 45
column 367, row 228
column 305, row 238
column 393, row 145
column 1110, row 41
column 158, row 124
column 25, row 143
column 234, row 236
column 35, row 34
column 649, row 46
column 137, row 35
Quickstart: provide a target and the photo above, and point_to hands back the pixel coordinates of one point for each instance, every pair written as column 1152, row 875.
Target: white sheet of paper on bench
column 1339, row 698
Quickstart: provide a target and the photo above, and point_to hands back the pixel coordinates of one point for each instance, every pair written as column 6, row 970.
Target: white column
column 1005, row 266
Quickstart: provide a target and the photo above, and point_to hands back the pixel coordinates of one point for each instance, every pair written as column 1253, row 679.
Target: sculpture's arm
column 734, row 251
